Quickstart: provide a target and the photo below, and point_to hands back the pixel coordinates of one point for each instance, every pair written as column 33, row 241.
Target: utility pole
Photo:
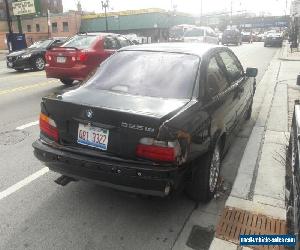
column 231, row 13
column 105, row 5
column 8, row 17
column 49, row 22
column 201, row 11
column 19, row 24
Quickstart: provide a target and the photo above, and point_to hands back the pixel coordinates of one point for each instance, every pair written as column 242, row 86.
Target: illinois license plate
column 93, row 136
column 61, row 59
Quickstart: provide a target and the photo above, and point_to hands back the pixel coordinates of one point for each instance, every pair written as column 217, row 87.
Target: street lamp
column 105, row 5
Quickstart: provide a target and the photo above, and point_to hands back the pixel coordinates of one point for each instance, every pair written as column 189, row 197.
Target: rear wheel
column 248, row 113
column 203, row 183
column 39, row 63
column 67, row 81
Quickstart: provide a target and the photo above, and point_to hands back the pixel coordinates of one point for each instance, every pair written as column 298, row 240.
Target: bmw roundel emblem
column 89, row 113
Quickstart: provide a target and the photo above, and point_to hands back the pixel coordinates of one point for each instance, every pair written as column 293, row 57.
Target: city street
column 38, row 214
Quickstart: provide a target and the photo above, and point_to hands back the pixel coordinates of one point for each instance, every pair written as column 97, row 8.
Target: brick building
column 54, row 6
column 61, row 25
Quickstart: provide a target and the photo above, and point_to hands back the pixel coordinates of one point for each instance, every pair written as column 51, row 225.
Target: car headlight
column 26, row 56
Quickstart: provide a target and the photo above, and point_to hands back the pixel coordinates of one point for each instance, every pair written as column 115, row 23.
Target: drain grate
column 234, row 222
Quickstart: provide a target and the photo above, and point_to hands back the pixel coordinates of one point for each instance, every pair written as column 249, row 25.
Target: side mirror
column 251, row 72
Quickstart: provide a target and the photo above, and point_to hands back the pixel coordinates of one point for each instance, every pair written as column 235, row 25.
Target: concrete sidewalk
column 259, row 187
column 288, row 55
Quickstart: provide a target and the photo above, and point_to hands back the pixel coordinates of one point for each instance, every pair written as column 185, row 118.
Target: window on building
column 28, row 27
column 65, row 27
column 37, row 28
column 54, row 27
column 55, row 3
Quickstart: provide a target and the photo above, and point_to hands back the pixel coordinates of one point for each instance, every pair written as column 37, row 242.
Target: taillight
column 49, row 58
column 157, row 150
column 82, row 57
column 48, row 127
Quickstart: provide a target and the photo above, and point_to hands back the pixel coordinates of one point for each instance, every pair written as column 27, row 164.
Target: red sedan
column 81, row 55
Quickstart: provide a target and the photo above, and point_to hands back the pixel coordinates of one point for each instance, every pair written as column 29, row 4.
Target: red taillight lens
column 49, row 58
column 157, row 150
column 156, row 153
column 82, row 57
column 48, row 127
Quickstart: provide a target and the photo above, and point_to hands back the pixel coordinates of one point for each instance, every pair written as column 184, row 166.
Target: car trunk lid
column 126, row 118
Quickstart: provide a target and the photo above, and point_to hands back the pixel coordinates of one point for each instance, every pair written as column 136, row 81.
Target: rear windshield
column 154, row 74
column 80, row 42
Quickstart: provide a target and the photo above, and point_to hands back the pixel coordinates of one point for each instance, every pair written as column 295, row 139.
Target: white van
column 201, row 35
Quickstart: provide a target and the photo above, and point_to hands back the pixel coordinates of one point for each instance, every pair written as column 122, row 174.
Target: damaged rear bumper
column 129, row 176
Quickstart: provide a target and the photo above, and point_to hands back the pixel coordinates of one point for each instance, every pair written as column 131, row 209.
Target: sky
column 274, row 7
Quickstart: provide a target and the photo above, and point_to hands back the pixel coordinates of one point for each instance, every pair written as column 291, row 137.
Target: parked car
column 246, row 37
column 260, row 37
column 131, row 128
column 201, row 35
column 274, row 39
column 177, row 32
column 34, row 56
column 81, row 55
column 232, row 36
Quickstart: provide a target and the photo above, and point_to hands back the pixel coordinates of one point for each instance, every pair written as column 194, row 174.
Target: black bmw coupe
column 152, row 119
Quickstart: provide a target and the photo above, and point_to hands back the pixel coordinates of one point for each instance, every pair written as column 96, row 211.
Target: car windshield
column 143, row 73
column 41, row 44
column 81, row 41
column 194, row 32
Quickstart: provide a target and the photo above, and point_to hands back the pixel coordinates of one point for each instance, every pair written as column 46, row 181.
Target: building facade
column 61, row 25
column 153, row 23
column 54, row 6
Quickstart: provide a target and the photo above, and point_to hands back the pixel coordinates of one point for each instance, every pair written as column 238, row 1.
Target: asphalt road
column 38, row 214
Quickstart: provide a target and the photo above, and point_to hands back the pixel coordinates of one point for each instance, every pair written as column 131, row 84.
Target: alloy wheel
column 40, row 63
column 214, row 169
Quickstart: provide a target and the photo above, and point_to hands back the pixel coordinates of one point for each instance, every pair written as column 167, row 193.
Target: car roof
column 98, row 34
column 198, row 49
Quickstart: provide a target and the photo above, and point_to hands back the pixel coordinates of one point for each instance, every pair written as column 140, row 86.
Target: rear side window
column 111, row 43
column 232, row 65
column 216, row 81
column 145, row 73
column 81, row 42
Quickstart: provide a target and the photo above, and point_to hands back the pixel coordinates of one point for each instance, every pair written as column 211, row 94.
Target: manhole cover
column 235, row 222
column 200, row 238
column 12, row 137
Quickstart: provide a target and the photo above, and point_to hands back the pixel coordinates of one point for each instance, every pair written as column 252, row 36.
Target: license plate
column 93, row 136
column 61, row 59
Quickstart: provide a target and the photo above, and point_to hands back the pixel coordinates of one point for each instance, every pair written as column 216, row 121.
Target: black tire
column 249, row 112
column 198, row 187
column 67, row 82
column 39, row 63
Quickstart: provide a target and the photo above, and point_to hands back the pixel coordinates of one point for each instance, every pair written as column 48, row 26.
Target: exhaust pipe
column 64, row 180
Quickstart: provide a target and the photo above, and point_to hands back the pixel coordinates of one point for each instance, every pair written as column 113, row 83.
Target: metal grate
column 234, row 222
